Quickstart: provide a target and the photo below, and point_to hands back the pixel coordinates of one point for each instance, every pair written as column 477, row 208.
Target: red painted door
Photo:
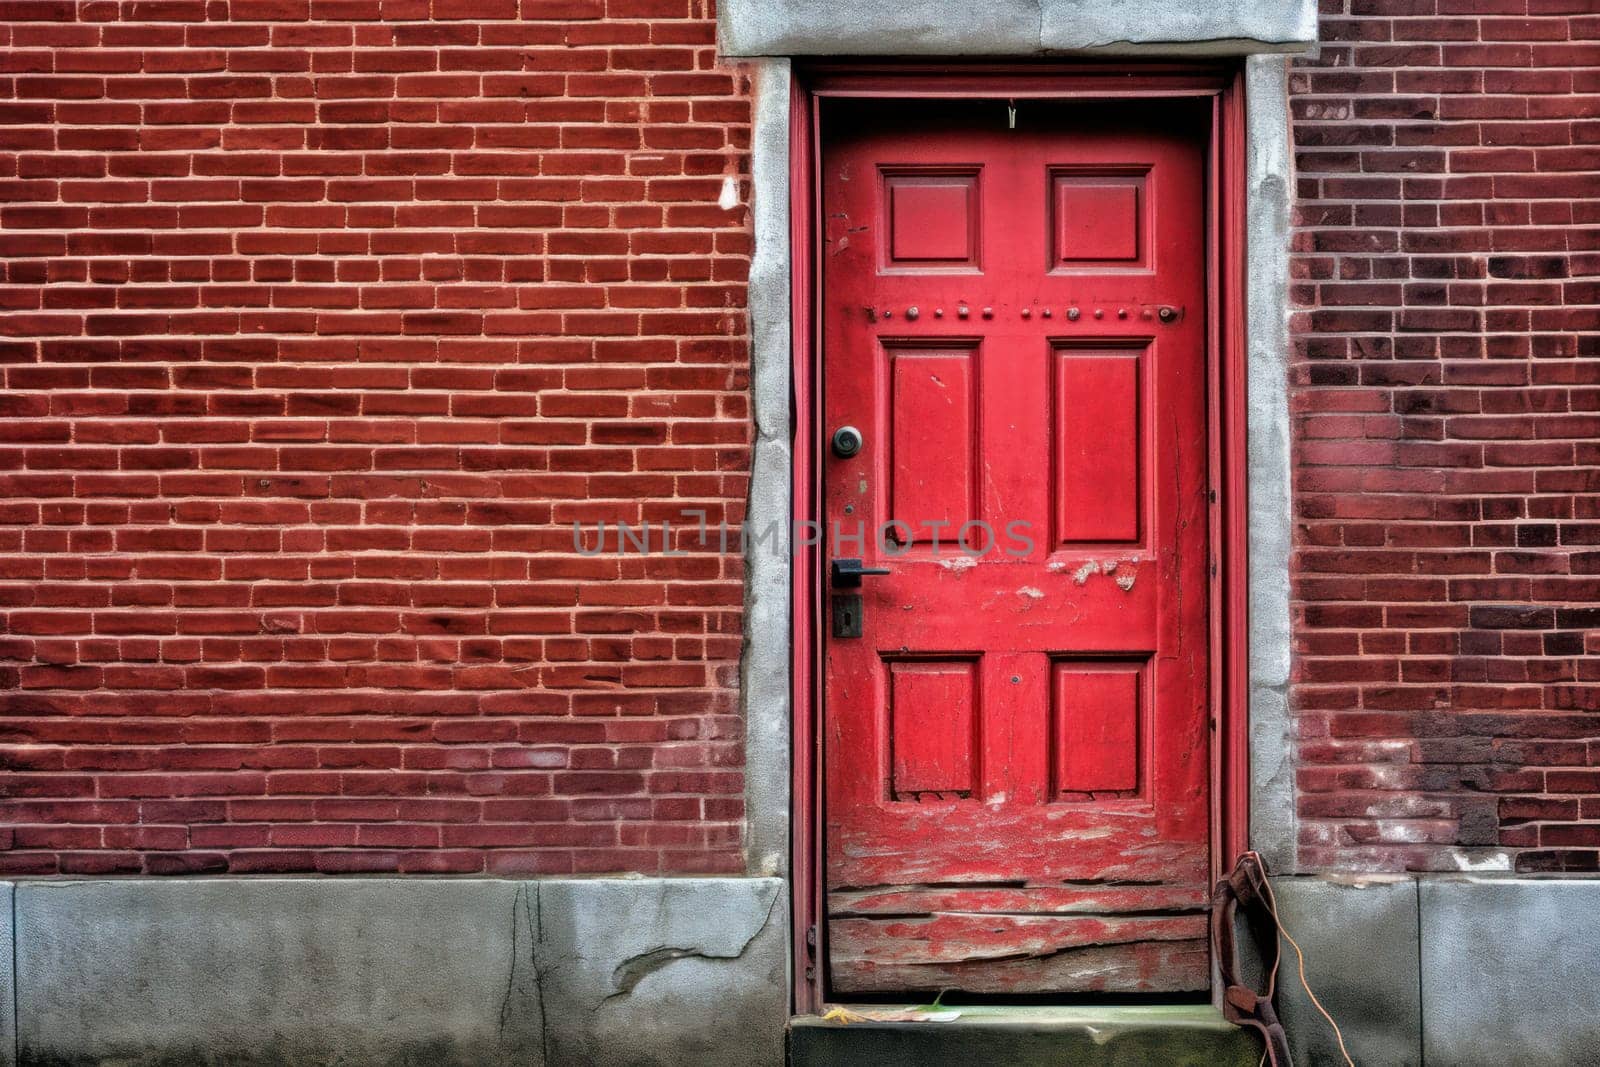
column 1016, row 746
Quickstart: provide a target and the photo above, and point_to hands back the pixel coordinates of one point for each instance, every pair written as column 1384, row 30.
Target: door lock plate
column 847, row 615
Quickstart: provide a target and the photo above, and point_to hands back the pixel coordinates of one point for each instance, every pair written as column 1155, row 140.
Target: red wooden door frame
column 1226, row 426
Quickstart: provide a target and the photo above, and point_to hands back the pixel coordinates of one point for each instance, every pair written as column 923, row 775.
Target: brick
column 1480, row 98
column 280, row 427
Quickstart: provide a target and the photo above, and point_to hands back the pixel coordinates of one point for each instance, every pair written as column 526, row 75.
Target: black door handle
column 847, row 572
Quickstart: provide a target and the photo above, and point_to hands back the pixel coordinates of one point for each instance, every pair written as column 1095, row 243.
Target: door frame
column 1227, row 535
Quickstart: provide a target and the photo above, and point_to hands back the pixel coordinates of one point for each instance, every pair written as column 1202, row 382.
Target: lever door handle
column 847, row 572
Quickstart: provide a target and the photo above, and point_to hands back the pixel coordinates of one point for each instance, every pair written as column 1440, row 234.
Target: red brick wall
column 1447, row 404
column 320, row 322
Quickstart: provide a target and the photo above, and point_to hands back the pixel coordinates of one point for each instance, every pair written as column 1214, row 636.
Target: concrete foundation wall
column 1448, row 970
column 1458, row 970
column 429, row 972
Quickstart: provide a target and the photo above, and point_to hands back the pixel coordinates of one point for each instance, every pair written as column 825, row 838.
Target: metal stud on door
column 1014, row 721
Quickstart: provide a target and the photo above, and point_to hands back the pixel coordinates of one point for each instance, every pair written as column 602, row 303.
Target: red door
column 1016, row 744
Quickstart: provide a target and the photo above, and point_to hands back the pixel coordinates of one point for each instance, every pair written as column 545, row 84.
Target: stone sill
column 1169, row 1034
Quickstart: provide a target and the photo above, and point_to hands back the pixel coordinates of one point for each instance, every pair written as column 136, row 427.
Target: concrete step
column 1125, row 1036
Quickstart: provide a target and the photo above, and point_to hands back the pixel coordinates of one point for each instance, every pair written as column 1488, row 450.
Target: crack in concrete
column 633, row 970
column 1204, row 46
column 531, row 917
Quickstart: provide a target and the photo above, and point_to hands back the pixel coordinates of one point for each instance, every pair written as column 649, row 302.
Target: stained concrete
column 1510, row 971
column 764, row 671
column 1268, row 191
column 1359, row 935
column 430, row 972
column 1013, row 27
column 1173, row 1036
column 275, row 971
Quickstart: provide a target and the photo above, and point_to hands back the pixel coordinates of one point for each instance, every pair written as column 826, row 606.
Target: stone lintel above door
column 1017, row 28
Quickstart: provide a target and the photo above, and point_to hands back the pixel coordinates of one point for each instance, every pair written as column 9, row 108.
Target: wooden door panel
column 932, row 410
column 1098, row 219
column 1109, row 843
column 1098, row 430
column 983, row 953
column 1096, row 713
column 1108, row 602
column 932, row 218
column 932, row 715
column 1015, row 748
column 1017, row 899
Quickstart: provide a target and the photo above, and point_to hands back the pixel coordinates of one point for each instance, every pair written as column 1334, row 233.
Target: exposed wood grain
column 1148, row 960
column 1099, row 899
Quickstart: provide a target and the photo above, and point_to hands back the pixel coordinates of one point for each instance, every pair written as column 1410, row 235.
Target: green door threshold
column 1180, row 1035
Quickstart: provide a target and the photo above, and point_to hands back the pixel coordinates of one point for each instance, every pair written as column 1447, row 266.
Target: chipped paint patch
column 1125, row 581
column 1031, row 593
column 1082, row 574
column 959, row 563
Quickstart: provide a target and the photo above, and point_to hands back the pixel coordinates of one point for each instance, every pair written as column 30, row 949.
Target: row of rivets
column 1165, row 314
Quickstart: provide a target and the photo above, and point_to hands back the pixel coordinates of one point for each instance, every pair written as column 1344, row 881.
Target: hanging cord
column 1238, row 905
column 1244, row 901
column 1272, row 978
